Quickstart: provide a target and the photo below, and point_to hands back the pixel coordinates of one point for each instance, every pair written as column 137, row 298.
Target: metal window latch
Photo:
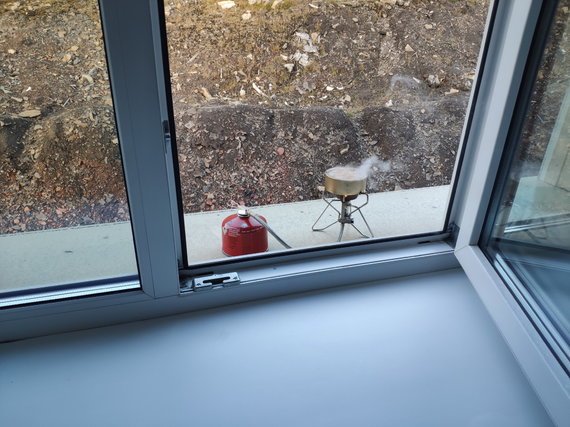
column 215, row 281
column 167, row 134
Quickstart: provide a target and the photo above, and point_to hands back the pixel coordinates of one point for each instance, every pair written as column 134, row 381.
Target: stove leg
column 366, row 222
column 341, row 232
column 329, row 204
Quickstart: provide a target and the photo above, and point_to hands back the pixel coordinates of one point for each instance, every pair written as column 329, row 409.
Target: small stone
column 451, row 91
column 329, row 88
column 344, row 150
column 11, row 51
column 428, row 26
column 246, row 16
column 30, row 113
column 74, row 48
column 408, row 48
column 66, row 57
column 320, row 188
column 389, row 103
column 280, row 151
column 276, row 3
column 433, row 81
column 289, row 67
column 206, row 94
column 226, row 4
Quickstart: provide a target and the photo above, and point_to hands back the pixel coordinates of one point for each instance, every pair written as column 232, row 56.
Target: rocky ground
column 267, row 95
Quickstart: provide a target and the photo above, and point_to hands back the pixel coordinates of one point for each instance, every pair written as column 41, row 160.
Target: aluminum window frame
column 509, row 311
column 135, row 41
column 134, row 37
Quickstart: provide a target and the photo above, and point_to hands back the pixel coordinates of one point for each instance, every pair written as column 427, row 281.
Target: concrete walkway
column 93, row 252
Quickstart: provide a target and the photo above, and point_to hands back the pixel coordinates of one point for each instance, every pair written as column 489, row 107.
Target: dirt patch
column 267, row 95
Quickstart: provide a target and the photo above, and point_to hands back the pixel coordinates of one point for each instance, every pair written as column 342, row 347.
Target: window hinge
column 214, row 281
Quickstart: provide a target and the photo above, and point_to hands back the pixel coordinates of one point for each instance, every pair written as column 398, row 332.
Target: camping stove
column 345, row 184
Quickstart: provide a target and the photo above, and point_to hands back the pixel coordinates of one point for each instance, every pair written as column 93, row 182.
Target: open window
column 328, row 122
column 217, row 102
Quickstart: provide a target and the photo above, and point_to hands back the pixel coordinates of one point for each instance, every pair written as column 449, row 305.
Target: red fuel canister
column 242, row 234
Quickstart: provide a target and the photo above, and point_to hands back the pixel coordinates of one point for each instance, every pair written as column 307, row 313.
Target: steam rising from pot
column 371, row 164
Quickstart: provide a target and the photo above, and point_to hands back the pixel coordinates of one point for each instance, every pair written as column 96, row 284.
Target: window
column 64, row 213
column 161, row 108
column 528, row 230
column 269, row 97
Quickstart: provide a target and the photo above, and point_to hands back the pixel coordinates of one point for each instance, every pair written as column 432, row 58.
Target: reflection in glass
column 531, row 230
column 63, row 211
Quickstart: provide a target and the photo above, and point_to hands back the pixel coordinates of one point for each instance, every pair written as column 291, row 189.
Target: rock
column 409, row 48
column 433, row 80
column 451, row 91
column 289, row 67
column 30, row 113
column 206, row 94
column 280, row 151
column 246, row 16
column 87, row 77
column 301, row 58
column 227, row 4
column 11, row 51
column 303, row 36
column 428, row 26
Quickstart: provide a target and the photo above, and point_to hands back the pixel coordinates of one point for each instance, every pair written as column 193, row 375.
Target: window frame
column 135, row 40
column 137, row 58
column 508, row 309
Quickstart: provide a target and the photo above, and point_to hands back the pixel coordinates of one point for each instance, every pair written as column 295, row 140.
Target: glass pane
column 531, row 231
column 63, row 211
column 269, row 95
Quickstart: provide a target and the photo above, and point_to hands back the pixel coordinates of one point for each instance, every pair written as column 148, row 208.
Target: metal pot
column 345, row 181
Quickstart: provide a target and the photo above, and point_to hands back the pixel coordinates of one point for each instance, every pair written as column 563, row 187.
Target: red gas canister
column 242, row 234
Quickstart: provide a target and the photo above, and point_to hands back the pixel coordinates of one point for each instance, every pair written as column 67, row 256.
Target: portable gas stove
column 345, row 183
